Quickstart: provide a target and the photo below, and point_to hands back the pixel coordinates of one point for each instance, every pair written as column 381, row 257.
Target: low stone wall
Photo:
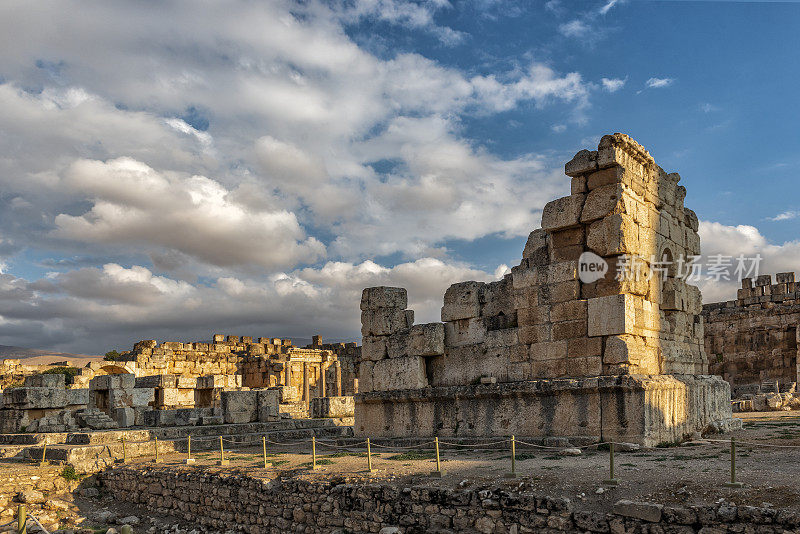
column 256, row 506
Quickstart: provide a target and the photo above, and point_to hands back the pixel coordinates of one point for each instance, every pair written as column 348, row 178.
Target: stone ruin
column 541, row 353
column 231, row 380
column 752, row 341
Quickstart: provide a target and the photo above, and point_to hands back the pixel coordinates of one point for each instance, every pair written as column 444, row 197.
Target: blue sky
column 170, row 171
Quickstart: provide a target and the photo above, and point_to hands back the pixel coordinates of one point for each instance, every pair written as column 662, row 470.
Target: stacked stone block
column 754, row 338
column 394, row 351
column 43, row 404
column 545, row 322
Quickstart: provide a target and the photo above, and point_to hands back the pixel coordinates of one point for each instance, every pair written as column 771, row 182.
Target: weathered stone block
column 397, row 344
column 399, row 373
column 384, row 297
column 426, row 340
column 464, row 332
column 583, row 162
column 52, row 381
column 614, row 314
column 382, row 321
column 608, row 200
column 563, row 213
column 462, row 301
column 374, row 348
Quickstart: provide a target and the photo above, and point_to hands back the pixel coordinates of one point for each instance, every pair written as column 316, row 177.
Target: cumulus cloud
column 245, row 145
column 613, row 85
column 742, row 241
column 113, row 306
column 657, row 83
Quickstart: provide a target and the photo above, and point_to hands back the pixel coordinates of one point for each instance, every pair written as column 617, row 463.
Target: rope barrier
column 37, row 522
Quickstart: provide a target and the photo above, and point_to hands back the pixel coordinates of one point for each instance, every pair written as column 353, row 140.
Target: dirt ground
column 768, row 464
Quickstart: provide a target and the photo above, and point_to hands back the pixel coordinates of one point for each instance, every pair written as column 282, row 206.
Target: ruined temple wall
column 755, row 337
column 541, row 321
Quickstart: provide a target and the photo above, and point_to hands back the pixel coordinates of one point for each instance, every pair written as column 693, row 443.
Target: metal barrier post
column 313, row 452
column 438, row 473
column 264, row 446
column 369, row 457
column 513, row 473
column 733, row 483
column 222, row 460
column 157, row 460
column 612, row 481
column 22, row 518
column 189, row 459
column 44, row 454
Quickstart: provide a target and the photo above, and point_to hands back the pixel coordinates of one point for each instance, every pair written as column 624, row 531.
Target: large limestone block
column 397, row 344
column 399, row 373
column 536, row 248
column 382, row 321
column 583, row 162
column 611, row 315
column 26, row 398
column 143, row 397
column 426, row 340
column 239, row 406
column 630, row 354
column 365, row 384
column 374, row 348
column 268, row 401
column 619, row 149
column 614, row 235
column 462, row 301
column 464, row 332
column 77, row 397
column 563, row 212
column 384, row 297
column 609, row 200
column 53, row 381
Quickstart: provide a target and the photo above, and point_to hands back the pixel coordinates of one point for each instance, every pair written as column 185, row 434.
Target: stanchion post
column 157, row 460
column 124, row 453
column 22, row 519
column 733, row 483
column 513, row 473
column 313, row 452
column 264, row 447
column 438, row 473
column 189, row 459
column 222, row 460
column 44, row 455
column 369, row 457
column 612, row 480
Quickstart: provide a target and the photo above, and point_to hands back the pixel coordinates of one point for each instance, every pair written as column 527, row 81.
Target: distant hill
column 40, row 356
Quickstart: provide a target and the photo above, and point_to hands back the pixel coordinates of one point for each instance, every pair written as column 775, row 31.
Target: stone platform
column 647, row 410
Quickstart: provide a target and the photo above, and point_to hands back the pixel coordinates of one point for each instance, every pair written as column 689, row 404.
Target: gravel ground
column 768, row 463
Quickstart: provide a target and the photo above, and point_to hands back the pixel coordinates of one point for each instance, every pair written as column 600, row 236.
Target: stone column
column 338, row 378
column 306, row 385
column 322, row 389
column 287, row 374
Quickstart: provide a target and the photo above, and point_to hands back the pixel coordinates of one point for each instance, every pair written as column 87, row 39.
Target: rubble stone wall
column 755, row 338
column 242, row 503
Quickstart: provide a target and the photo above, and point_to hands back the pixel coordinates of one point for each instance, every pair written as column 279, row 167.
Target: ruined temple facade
column 541, row 352
column 754, row 339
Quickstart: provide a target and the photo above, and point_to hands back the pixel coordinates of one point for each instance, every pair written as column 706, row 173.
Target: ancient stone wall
column 754, row 338
column 222, row 502
column 548, row 320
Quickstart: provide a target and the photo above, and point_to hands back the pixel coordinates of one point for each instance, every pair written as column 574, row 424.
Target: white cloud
column 786, row 216
column 574, row 28
column 135, row 205
column 559, row 128
column 746, row 241
column 607, row 6
column 96, row 309
column 657, row 83
column 613, row 85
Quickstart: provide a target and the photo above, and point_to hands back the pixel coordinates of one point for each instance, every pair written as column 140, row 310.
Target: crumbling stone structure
column 754, row 339
column 43, row 404
column 543, row 353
